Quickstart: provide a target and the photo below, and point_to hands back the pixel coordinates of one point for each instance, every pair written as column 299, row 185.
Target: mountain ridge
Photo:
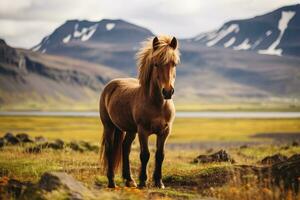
column 274, row 33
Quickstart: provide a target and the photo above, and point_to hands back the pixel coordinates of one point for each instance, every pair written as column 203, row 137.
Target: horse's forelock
column 146, row 57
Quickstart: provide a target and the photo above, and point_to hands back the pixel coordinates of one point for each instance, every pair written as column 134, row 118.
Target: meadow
column 183, row 178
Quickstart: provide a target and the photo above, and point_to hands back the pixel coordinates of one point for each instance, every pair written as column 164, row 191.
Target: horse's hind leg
column 126, row 173
column 109, row 132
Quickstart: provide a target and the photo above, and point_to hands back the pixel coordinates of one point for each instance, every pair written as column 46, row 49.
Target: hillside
column 34, row 80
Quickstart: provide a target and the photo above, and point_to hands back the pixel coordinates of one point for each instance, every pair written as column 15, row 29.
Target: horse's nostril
column 172, row 91
column 164, row 92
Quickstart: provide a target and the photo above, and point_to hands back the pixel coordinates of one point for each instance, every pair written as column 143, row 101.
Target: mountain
column 213, row 73
column 108, row 42
column 71, row 65
column 274, row 33
column 31, row 80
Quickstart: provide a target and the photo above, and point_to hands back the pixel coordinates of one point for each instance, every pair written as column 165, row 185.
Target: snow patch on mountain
column 110, row 26
column 243, row 46
column 85, row 33
column 90, row 32
column 67, row 38
column 268, row 33
column 222, row 33
column 229, row 42
column 286, row 16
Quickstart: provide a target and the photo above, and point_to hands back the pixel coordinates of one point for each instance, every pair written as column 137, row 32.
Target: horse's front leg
column 144, row 156
column 159, row 158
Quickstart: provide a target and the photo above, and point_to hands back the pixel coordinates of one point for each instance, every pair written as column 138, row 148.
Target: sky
column 25, row 22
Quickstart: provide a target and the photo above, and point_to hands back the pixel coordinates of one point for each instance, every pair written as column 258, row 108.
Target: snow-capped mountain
column 274, row 33
column 104, row 31
column 109, row 42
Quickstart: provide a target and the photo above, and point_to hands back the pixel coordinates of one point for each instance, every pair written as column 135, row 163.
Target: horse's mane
column 147, row 57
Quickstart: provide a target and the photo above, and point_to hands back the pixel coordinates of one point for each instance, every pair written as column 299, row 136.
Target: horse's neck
column 153, row 94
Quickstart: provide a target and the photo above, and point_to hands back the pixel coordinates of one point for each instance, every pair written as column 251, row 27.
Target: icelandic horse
column 143, row 106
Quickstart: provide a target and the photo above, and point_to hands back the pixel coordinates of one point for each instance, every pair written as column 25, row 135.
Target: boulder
column 89, row 146
column 287, row 173
column 12, row 188
column 76, row 147
column 269, row 160
column 59, row 180
column 57, row 144
column 24, row 137
column 294, row 157
column 220, row 156
column 11, row 139
column 34, row 149
column 2, row 142
column 295, row 144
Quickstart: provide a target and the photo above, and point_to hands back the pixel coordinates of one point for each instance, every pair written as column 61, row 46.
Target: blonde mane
column 147, row 58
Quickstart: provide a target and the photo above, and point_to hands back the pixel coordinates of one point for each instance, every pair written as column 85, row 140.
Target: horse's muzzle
column 167, row 94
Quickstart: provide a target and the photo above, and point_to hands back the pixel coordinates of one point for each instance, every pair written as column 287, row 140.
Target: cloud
column 25, row 22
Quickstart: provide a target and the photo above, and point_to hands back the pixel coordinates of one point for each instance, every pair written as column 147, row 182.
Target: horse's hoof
column 159, row 184
column 130, row 183
column 142, row 185
column 111, row 185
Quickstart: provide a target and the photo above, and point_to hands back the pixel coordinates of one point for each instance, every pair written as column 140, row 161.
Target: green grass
column 178, row 166
column 184, row 129
column 239, row 106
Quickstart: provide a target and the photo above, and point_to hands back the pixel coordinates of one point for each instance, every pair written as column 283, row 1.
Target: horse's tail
column 111, row 149
column 112, row 138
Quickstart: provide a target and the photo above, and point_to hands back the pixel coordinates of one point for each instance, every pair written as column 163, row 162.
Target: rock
column 287, row 173
column 89, row 147
column 35, row 149
column 11, row 139
column 59, row 180
column 295, row 144
column 76, row 147
column 245, row 146
column 273, row 159
column 294, row 157
column 220, row 156
column 14, row 188
column 57, row 144
column 40, row 139
column 23, row 137
column 2, row 142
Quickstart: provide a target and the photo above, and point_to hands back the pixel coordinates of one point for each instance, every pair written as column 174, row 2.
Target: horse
column 142, row 106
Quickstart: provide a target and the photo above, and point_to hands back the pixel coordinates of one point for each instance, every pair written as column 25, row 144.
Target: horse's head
column 165, row 57
column 157, row 61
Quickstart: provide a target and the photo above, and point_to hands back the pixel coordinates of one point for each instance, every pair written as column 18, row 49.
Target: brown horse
column 144, row 106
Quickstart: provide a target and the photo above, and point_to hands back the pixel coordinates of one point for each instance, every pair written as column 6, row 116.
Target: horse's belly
column 122, row 118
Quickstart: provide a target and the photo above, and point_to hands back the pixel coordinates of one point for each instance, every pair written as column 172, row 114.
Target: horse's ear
column 174, row 43
column 155, row 43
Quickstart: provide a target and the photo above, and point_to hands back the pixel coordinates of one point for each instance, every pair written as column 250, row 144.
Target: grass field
column 184, row 129
column 16, row 163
